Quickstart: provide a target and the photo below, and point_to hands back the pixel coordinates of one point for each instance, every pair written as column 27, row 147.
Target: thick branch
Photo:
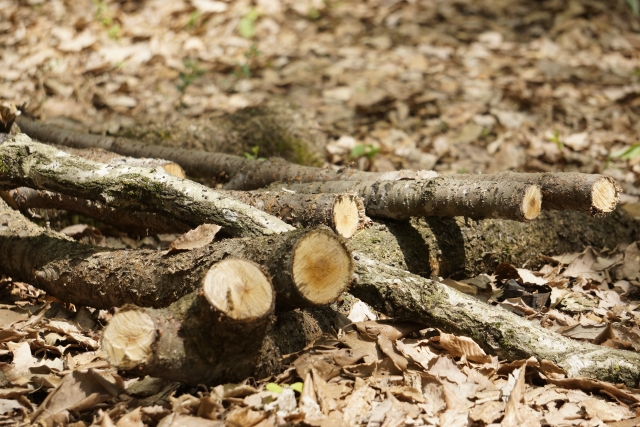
column 308, row 268
column 402, row 295
column 438, row 197
column 31, row 164
column 103, row 156
column 597, row 194
column 455, row 247
column 186, row 355
column 209, row 336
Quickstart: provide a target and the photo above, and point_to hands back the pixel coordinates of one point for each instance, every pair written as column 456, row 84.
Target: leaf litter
column 464, row 86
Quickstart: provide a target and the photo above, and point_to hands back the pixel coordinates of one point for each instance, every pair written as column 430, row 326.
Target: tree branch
column 31, row 164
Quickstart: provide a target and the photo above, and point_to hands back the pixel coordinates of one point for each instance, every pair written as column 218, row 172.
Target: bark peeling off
column 27, row 163
column 406, row 296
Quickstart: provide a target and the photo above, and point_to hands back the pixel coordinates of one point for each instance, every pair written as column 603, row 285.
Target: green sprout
column 254, row 154
column 245, row 69
column 556, row 139
column 368, row 150
column 189, row 75
column 628, row 153
column 193, row 17
column 246, row 26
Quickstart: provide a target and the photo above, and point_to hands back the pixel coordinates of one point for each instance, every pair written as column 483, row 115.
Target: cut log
column 31, row 164
column 344, row 212
column 597, row 194
column 136, row 222
column 309, row 268
column 403, row 295
column 455, row 247
column 148, row 341
column 438, row 197
column 210, row 336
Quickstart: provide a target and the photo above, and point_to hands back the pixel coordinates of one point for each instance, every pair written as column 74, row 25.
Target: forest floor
column 458, row 86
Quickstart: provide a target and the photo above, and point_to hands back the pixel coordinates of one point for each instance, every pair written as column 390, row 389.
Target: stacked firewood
column 202, row 312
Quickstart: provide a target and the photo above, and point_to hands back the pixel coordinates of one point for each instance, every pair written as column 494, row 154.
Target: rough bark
column 210, row 336
column 403, row 295
column 136, row 222
column 438, row 197
column 103, row 156
column 308, row 268
column 459, row 248
column 238, row 172
column 180, row 357
column 343, row 212
column 597, row 194
column 31, row 164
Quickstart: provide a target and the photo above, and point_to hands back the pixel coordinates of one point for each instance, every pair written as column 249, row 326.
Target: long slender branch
column 438, row 197
column 141, row 223
column 31, row 164
column 403, row 295
column 239, row 173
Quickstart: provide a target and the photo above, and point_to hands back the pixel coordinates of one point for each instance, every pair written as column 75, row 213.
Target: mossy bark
column 406, row 296
column 460, row 248
column 187, row 348
column 277, row 128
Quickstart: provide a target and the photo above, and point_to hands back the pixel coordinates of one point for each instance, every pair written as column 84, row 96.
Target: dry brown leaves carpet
column 458, row 86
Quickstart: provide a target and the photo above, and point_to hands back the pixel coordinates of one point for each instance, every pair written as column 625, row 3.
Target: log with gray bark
column 438, row 197
column 403, row 295
column 564, row 191
column 593, row 193
column 103, row 156
column 308, row 267
column 24, row 162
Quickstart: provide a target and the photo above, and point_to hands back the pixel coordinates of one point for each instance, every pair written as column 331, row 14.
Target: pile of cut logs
column 292, row 237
